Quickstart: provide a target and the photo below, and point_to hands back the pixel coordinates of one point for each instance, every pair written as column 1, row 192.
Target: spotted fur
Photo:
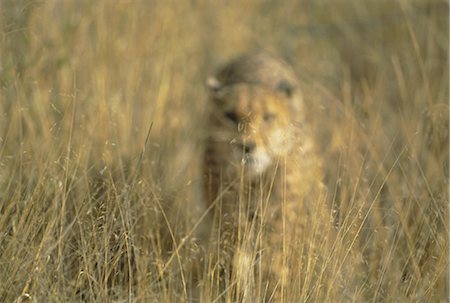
column 262, row 175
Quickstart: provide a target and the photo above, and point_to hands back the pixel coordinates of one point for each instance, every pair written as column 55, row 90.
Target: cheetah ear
column 286, row 88
column 213, row 84
column 216, row 89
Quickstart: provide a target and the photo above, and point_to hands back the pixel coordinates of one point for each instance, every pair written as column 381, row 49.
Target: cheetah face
column 252, row 127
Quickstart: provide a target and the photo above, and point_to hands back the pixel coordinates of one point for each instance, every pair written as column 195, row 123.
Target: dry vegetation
column 101, row 112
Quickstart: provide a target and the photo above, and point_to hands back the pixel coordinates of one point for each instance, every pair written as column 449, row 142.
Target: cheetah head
column 253, row 126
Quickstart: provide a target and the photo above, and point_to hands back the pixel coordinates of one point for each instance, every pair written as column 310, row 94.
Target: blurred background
column 102, row 108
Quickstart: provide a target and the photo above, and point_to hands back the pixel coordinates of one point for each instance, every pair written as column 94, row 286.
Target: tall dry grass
column 101, row 113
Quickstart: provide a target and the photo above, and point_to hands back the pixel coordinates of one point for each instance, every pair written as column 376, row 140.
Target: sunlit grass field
column 102, row 114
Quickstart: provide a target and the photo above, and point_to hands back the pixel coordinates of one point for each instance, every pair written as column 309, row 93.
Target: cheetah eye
column 232, row 116
column 285, row 87
column 269, row 117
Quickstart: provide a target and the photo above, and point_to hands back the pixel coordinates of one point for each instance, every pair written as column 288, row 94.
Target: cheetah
column 262, row 175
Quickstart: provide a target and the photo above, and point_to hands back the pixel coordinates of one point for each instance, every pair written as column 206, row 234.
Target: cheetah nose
column 247, row 146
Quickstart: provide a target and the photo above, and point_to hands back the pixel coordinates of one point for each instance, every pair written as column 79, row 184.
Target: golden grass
column 91, row 210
